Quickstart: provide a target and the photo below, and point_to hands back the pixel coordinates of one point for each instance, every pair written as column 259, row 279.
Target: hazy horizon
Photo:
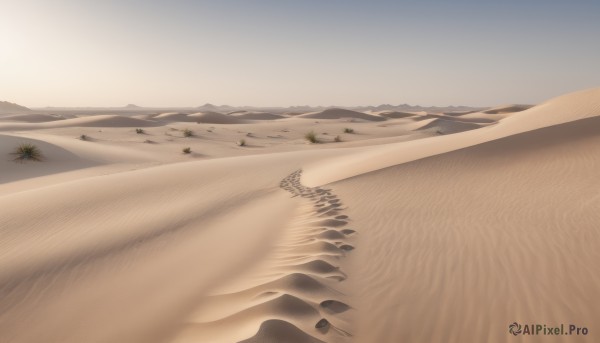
column 280, row 54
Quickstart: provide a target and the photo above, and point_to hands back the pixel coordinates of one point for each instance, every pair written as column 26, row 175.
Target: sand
column 442, row 229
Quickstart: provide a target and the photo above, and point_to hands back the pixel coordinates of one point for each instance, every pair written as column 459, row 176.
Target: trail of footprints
column 304, row 304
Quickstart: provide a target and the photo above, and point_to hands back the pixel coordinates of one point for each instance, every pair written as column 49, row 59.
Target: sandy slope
column 563, row 109
column 258, row 116
column 56, row 159
column 338, row 113
column 118, row 251
column 105, row 120
column 31, row 118
column 402, row 232
column 478, row 238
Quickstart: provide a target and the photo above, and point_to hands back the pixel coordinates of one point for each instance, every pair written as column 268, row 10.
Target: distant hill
column 274, row 110
column 10, row 108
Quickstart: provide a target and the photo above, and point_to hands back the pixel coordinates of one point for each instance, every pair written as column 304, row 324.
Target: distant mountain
column 416, row 108
column 222, row 108
column 131, row 108
column 9, row 108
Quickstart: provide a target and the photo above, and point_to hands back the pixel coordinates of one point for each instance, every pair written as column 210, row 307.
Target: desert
column 299, row 171
column 112, row 238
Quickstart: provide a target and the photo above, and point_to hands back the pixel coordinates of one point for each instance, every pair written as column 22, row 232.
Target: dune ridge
column 569, row 107
column 215, row 118
column 102, row 120
column 32, row 117
column 339, row 113
column 258, row 116
column 297, row 300
column 528, row 238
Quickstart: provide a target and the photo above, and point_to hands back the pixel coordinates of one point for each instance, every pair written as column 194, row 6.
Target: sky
column 285, row 52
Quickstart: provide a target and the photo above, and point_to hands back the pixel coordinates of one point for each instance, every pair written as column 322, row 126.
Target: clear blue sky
column 284, row 52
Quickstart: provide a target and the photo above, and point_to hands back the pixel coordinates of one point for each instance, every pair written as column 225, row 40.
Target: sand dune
column 12, row 108
column 397, row 233
column 258, row 116
column 174, row 117
column 531, row 201
column 201, row 117
column 55, row 160
column 215, row 118
column 286, row 307
column 103, row 262
column 425, row 117
column 562, row 109
column 507, row 109
column 32, row 118
column 458, row 114
column 338, row 113
column 444, row 127
column 106, row 120
column 396, row 114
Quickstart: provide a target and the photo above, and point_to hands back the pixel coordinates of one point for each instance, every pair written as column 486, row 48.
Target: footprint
column 334, row 306
column 331, row 235
column 347, row 247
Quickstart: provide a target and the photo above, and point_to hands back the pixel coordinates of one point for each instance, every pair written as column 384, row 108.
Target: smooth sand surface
column 414, row 228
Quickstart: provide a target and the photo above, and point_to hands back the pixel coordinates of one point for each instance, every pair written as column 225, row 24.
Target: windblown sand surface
column 415, row 228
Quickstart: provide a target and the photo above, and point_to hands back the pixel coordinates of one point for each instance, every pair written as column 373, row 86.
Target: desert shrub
column 187, row 150
column 241, row 142
column 337, row 139
column 83, row 137
column 27, row 151
column 348, row 130
column 140, row 131
column 188, row 133
column 311, row 137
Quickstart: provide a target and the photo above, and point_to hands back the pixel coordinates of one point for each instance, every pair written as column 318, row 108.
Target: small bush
column 27, row 151
column 83, row 137
column 241, row 142
column 188, row 133
column 311, row 137
column 140, row 131
column 187, row 150
column 348, row 130
column 337, row 139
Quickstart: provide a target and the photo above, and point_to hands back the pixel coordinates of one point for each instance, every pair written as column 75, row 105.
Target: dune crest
column 215, row 118
column 338, row 113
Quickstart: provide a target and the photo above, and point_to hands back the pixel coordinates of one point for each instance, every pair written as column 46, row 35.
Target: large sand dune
column 396, row 114
column 259, row 116
column 105, row 120
column 215, row 118
column 400, row 232
column 339, row 113
column 499, row 232
column 31, row 118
